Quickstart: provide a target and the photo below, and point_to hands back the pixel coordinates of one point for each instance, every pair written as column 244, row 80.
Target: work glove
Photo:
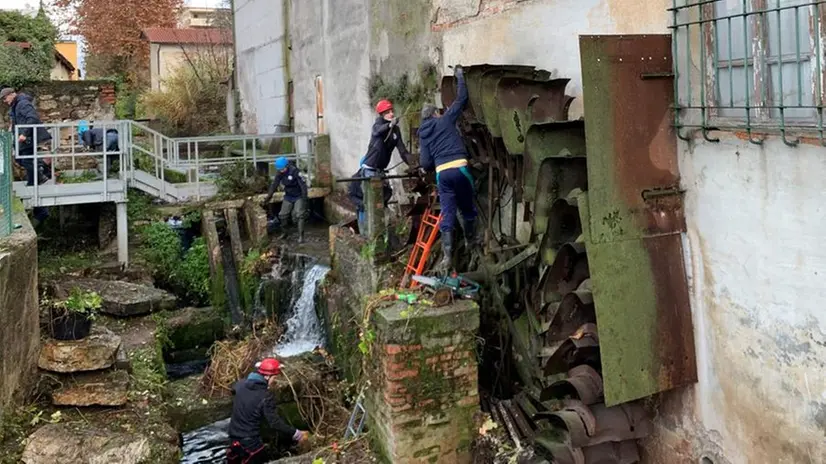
column 421, row 172
column 394, row 122
column 458, row 71
column 304, row 436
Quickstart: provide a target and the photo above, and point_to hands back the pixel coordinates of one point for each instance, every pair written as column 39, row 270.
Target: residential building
column 70, row 51
column 170, row 48
column 199, row 17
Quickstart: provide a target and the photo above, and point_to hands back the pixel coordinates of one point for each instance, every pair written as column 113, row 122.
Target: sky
column 33, row 4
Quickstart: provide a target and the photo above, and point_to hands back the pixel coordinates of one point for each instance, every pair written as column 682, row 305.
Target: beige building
column 68, row 49
column 195, row 17
column 63, row 68
column 169, row 48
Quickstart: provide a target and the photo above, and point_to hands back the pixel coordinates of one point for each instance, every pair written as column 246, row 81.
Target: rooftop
column 200, row 36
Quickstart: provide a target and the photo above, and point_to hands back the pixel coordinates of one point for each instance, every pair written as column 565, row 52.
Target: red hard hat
column 269, row 366
column 384, row 105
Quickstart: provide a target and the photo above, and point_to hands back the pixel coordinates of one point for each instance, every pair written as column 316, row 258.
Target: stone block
column 95, row 352
column 57, row 443
column 426, row 325
column 255, row 219
column 109, row 388
column 122, row 298
column 195, row 328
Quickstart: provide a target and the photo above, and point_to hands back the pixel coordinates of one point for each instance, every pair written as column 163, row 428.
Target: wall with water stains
column 345, row 41
column 757, row 264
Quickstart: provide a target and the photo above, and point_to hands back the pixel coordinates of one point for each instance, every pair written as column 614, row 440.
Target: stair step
column 108, row 388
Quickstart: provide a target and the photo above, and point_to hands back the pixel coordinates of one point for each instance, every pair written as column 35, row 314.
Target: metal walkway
column 171, row 169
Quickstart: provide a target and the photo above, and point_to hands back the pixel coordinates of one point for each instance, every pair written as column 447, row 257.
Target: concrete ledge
column 19, row 310
column 403, row 323
column 314, row 192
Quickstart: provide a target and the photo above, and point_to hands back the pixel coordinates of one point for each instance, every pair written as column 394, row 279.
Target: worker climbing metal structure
column 582, row 264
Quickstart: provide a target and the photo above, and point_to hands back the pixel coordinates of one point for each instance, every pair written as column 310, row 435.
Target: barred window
column 749, row 64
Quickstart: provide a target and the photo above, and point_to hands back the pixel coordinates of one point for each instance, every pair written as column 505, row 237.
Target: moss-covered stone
column 190, row 409
column 194, row 328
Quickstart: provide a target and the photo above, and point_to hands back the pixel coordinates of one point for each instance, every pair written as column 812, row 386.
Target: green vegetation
column 249, row 279
column 194, row 99
column 18, row 65
column 185, row 274
column 407, row 94
column 232, row 181
column 148, row 372
column 85, row 176
column 82, row 302
column 52, row 263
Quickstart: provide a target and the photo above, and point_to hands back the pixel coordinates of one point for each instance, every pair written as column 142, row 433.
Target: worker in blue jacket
column 443, row 149
column 296, row 200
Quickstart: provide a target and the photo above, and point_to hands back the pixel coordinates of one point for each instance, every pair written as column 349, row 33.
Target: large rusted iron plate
column 490, row 82
column 565, row 143
column 632, row 145
column 627, row 421
column 634, row 245
column 523, row 102
column 583, row 382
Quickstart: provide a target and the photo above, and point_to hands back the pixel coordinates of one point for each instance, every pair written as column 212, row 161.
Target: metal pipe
column 359, row 179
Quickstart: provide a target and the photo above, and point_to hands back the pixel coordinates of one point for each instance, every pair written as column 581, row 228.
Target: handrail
column 162, row 155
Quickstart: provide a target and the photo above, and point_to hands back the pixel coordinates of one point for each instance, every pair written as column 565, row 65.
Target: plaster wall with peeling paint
column 756, row 264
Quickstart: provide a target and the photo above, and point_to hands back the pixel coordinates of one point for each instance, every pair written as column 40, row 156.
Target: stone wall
column 425, row 390
column 72, row 100
column 19, row 314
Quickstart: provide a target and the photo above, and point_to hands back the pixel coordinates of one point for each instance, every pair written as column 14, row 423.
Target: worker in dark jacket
column 252, row 405
column 295, row 195
column 443, row 149
column 95, row 138
column 22, row 111
column 384, row 138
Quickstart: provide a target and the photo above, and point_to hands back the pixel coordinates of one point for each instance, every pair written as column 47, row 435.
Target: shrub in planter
column 72, row 318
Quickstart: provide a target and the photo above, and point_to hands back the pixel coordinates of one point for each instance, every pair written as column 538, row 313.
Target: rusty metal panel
column 523, row 102
column 635, row 217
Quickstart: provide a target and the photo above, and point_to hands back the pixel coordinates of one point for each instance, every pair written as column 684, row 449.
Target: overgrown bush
column 232, row 182
column 407, row 94
column 19, row 66
column 186, row 274
column 194, row 98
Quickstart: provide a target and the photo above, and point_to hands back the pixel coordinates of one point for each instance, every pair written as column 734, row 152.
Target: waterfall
column 303, row 328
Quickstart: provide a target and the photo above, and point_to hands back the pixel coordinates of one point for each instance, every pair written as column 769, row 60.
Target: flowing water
column 208, row 444
column 303, row 328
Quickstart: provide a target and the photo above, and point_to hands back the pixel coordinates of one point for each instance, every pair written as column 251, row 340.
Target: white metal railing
column 146, row 159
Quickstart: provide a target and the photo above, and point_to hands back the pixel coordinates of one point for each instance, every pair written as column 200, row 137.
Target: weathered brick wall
column 425, row 383
column 71, row 100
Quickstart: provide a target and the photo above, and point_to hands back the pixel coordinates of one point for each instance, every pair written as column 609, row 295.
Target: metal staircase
column 172, row 169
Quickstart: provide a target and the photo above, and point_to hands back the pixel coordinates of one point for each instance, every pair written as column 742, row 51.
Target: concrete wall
column 262, row 71
column 19, row 311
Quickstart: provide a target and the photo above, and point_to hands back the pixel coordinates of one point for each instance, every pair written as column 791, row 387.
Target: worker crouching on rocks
column 296, row 202
column 253, row 403
column 384, row 138
column 443, row 149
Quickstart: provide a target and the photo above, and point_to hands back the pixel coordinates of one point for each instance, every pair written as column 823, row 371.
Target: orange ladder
column 428, row 231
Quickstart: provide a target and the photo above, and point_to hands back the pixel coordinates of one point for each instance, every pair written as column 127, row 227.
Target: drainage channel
column 303, row 334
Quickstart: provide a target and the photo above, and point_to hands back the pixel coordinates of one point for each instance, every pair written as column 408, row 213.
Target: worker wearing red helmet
column 253, row 404
column 385, row 137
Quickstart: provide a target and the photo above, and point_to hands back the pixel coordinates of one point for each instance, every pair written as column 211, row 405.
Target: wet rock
column 57, row 443
column 95, row 389
column 124, row 298
column 195, row 328
column 95, row 352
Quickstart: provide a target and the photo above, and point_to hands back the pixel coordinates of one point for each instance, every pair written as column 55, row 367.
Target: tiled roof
column 200, row 36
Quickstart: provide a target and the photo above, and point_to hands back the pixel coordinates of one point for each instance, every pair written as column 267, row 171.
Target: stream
column 207, row 445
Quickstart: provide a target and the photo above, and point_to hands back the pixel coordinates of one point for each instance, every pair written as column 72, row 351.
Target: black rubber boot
column 471, row 239
column 301, row 231
column 446, row 264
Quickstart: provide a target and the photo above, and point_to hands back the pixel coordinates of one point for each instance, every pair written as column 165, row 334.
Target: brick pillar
column 427, row 392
